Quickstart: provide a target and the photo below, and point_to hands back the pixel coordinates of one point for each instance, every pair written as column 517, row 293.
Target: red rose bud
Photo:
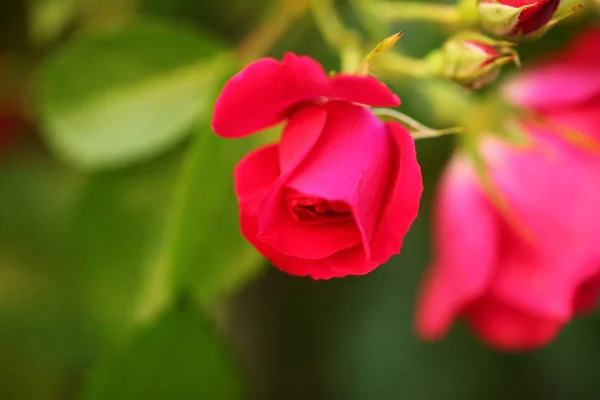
column 474, row 60
column 515, row 18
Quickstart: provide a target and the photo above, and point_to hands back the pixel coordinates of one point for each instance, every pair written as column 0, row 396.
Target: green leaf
column 124, row 96
column 204, row 252
column 115, row 223
column 178, row 357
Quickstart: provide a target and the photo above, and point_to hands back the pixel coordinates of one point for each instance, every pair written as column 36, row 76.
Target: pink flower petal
column 352, row 163
column 404, row 194
column 586, row 47
column 264, row 92
column 508, row 328
column 555, row 86
column 466, row 251
column 565, row 79
column 583, row 119
column 588, row 293
column 277, row 225
column 300, row 135
column 542, row 274
column 255, row 174
column 364, row 90
column 254, row 177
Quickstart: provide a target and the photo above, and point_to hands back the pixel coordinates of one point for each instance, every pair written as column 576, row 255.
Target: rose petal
column 364, row 90
column 588, row 293
column 277, row 226
column 555, row 86
column 509, row 328
column 326, row 268
column 264, row 92
column 404, row 194
column 541, row 274
column 466, row 251
column 300, row 135
column 583, row 119
column 351, row 163
column 585, row 47
column 255, row 174
column 565, row 79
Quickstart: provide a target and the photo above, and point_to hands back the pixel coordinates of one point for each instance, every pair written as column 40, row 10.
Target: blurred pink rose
column 516, row 290
column 337, row 195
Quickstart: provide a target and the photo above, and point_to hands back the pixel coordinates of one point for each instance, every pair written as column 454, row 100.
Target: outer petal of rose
column 537, row 16
column 509, row 328
column 404, row 194
column 466, row 243
column 584, row 119
column 364, row 90
column 277, row 226
column 564, row 79
column 542, row 273
column 586, row 46
column 557, row 85
column 264, row 92
column 588, row 294
column 351, row 261
column 300, row 135
column 254, row 176
column 351, row 163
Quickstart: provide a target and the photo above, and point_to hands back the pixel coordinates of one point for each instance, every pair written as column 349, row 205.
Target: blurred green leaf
column 41, row 331
column 203, row 252
column 124, row 96
column 115, row 223
column 178, row 357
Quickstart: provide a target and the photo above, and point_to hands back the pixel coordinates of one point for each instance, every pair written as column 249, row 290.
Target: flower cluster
column 337, row 194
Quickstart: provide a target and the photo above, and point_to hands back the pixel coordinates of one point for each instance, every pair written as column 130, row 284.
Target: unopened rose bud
column 474, row 60
column 515, row 18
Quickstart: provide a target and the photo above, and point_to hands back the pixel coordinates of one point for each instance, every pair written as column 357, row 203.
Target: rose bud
column 337, row 194
column 518, row 284
column 515, row 18
column 474, row 60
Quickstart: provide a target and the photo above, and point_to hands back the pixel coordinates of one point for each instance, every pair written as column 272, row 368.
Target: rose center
column 318, row 211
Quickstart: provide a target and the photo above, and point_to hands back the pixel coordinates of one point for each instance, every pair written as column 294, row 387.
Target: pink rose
column 518, row 280
column 337, row 195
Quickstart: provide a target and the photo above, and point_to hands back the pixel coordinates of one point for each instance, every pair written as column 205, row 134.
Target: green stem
column 336, row 34
column 394, row 63
column 469, row 12
column 446, row 14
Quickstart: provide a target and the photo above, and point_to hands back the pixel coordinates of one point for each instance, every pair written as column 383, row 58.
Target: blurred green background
column 123, row 274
